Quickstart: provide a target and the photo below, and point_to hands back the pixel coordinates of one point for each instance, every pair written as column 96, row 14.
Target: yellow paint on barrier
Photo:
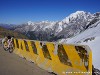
column 16, row 46
column 33, row 56
column 55, row 61
column 74, row 57
column 40, row 59
column 58, row 58
column 20, row 50
column 90, row 62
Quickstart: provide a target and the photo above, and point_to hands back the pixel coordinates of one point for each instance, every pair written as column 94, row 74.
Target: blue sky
column 21, row 11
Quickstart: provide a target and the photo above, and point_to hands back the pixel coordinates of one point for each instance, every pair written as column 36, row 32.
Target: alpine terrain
column 79, row 28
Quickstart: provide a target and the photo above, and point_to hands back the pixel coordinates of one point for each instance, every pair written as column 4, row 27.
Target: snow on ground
column 95, row 47
column 91, row 32
column 85, row 38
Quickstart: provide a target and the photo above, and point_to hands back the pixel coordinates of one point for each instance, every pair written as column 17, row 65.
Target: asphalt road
column 12, row 64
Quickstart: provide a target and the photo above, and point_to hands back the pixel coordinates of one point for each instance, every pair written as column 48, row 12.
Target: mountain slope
column 90, row 37
column 52, row 31
column 5, row 32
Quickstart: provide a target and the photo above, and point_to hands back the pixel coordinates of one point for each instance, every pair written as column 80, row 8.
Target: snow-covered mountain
column 78, row 28
column 52, row 31
column 90, row 37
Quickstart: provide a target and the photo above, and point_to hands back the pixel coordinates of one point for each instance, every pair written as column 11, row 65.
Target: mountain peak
column 78, row 12
column 77, row 15
column 29, row 22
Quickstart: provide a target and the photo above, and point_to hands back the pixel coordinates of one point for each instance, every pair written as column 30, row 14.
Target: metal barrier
column 62, row 59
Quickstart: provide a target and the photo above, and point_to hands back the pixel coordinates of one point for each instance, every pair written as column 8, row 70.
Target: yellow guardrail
column 62, row 59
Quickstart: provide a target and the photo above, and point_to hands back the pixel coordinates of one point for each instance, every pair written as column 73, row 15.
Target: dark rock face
column 95, row 71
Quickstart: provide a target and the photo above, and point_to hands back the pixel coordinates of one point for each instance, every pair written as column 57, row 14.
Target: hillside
column 4, row 32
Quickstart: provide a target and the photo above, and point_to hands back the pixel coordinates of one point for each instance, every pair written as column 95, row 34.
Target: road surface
column 12, row 64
